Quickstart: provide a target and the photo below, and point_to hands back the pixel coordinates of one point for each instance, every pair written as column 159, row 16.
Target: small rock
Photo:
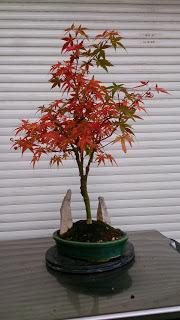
column 102, row 213
column 65, row 213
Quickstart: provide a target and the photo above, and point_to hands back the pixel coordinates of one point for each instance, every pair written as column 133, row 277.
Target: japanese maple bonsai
column 87, row 117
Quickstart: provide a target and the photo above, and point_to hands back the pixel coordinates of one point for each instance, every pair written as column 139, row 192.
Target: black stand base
column 57, row 262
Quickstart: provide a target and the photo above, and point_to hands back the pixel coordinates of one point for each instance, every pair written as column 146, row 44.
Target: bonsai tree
column 89, row 115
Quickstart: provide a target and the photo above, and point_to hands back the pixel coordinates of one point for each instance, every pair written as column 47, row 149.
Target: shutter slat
column 134, row 154
column 172, row 87
column 111, row 77
column 113, row 24
column 57, row 34
column 115, row 208
column 50, row 96
column 153, row 203
column 149, row 49
column 142, row 136
column 144, row 2
column 123, row 214
column 32, row 104
column 153, row 115
column 100, row 171
column 124, row 59
column 133, row 197
column 85, row 16
column 132, row 179
column 152, row 69
column 118, row 7
column 51, row 43
column 41, row 225
column 103, row 188
column 25, row 165
column 138, row 145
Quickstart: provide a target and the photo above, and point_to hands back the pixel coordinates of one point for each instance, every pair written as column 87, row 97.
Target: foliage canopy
column 89, row 114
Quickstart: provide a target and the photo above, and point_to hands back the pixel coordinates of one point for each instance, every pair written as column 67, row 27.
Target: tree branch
column 78, row 160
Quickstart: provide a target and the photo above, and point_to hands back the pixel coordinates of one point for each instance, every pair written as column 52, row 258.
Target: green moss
column 97, row 231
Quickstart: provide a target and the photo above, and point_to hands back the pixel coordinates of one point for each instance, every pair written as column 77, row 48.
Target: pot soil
column 97, row 231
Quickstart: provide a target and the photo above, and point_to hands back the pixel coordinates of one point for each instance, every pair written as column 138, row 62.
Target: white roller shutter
column 143, row 192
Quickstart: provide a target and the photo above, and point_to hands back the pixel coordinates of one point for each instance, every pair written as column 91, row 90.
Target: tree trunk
column 83, row 181
column 85, row 196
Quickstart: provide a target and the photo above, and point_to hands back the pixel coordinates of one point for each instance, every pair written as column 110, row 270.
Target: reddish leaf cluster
column 88, row 112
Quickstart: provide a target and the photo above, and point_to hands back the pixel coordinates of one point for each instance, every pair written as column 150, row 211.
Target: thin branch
column 108, row 135
column 102, row 147
column 68, row 150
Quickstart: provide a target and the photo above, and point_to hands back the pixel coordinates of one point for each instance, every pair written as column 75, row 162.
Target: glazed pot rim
column 89, row 244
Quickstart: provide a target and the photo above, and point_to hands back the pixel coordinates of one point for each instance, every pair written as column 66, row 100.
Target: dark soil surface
column 98, row 231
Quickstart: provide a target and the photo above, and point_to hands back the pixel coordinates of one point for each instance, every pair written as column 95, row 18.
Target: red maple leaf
column 159, row 89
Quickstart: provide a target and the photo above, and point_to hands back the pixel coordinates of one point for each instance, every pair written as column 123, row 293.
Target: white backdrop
column 143, row 192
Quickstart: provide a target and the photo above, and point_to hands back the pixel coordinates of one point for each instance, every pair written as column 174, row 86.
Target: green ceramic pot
column 97, row 252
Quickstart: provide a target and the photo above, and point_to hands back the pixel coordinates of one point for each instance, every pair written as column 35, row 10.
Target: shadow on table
column 100, row 284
